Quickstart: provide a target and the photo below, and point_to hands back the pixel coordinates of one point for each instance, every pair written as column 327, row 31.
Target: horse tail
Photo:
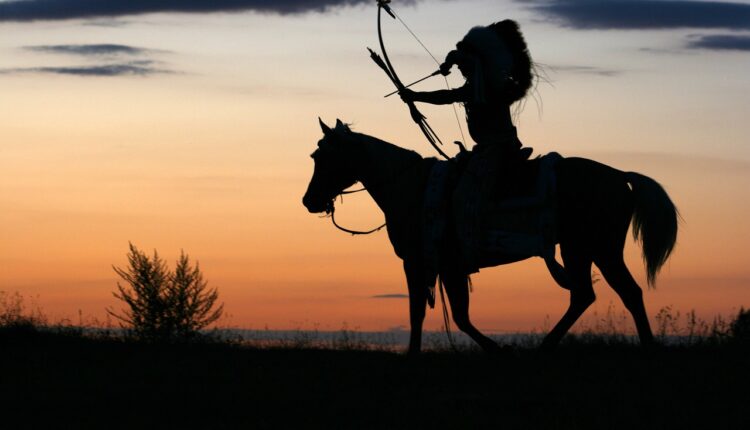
column 655, row 220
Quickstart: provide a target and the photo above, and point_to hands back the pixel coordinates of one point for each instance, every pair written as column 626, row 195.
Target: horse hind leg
column 578, row 271
column 617, row 275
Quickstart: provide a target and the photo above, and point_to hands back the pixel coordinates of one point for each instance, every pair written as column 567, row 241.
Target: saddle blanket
column 522, row 226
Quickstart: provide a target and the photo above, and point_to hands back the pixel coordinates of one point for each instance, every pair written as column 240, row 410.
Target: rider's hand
column 407, row 95
column 450, row 60
column 459, row 58
column 445, row 68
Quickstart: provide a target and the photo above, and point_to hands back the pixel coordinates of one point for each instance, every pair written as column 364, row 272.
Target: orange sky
column 213, row 158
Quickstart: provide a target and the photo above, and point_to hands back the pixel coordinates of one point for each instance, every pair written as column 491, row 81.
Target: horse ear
column 324, row 127
column 339, row 124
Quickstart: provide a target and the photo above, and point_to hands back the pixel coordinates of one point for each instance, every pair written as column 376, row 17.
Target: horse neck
column 387, row 172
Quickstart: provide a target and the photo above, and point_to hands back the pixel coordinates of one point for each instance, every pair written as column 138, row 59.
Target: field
column 64, row 379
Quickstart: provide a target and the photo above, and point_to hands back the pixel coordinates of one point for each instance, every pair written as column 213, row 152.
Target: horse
column 595, row 206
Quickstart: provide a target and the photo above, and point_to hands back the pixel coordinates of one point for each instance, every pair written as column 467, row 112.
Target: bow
column 385, row 63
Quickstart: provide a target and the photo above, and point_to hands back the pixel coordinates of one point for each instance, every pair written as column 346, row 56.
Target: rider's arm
column 440, row 97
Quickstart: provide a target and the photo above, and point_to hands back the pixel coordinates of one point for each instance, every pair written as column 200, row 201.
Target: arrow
column 435, row 73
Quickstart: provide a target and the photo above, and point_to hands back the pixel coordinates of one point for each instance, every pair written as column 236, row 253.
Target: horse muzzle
column 317, row 205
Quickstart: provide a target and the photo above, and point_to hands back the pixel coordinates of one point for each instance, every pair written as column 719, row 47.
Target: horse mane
column 374, row 146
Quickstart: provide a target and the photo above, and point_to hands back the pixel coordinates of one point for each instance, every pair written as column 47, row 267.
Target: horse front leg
column 417, row 303
column 457, row 287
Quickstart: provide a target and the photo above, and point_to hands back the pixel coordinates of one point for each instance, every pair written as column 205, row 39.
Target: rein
column 332, row 210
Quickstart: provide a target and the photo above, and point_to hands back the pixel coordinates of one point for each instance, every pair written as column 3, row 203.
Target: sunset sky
column 189, row 127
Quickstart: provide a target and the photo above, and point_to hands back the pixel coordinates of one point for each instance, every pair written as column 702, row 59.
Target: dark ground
column 53, row 380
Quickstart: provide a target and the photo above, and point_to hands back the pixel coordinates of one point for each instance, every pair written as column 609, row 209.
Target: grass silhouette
column 59, row 376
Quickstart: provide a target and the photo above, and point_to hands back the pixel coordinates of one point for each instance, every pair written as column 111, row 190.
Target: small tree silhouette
column 192, row 302
column 164, row 305
column 740, row 328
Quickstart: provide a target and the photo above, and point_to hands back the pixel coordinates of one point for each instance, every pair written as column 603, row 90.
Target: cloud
column 109, row 57
column 96, row 50
column 724, row 42
column 107, row 22
column 133, row 68
column 644, row 14
column 587, row 70
column 33, row 10
column 390, row 296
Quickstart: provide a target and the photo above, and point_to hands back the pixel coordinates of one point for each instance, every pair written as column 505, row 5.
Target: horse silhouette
column 595, row 206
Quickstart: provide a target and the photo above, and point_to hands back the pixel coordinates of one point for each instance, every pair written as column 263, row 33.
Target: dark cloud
column 644, row 14
column 33, row 10
column 391, row 296
column 726, row 42
column 89, row 50
column 134, row 68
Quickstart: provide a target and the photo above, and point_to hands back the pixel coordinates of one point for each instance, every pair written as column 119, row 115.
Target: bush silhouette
column 740, row 328
column 164, row 305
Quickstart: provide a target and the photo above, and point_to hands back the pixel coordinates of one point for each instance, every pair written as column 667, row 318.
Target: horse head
column 334, row 170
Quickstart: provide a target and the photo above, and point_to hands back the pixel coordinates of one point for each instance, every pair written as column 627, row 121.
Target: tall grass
column 15, row 311
column 671, row 327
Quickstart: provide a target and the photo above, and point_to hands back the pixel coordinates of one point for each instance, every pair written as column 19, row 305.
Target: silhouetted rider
column 498, row 70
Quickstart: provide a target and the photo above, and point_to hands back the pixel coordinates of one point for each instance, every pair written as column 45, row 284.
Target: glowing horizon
column 206, row 150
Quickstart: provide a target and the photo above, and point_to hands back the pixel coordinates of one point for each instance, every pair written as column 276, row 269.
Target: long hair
column 522, row 71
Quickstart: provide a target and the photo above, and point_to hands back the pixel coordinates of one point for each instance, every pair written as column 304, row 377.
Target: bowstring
column 458, row 122
column 445, row 78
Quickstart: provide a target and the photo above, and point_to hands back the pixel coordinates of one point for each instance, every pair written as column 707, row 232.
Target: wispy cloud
column 390, row 296
column 586, row 70
column 107, row 22
column 95, row 50
column 133, row 68
column 107, row 60
column 644, row 14
column 723, row 42
column 33, row 10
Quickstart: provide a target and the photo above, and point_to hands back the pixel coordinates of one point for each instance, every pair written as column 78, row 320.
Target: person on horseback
column 497, row 66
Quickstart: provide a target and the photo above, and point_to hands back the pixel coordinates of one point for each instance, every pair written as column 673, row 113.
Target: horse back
column 594, row 201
